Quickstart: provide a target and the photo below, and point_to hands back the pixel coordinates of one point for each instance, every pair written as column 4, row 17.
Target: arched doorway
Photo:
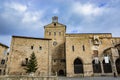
column 117, row 62
column 107, row 67
column 61, row 73
column 78, row 66
column 96, row 67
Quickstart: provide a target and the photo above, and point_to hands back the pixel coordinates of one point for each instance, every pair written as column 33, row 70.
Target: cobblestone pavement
column 90, row 78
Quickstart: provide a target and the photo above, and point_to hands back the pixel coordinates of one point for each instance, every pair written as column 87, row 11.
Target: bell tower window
column 54, row 33
column 49, row 33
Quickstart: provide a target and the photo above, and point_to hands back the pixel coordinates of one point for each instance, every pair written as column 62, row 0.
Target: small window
column 95, row 53
column 5, row 52
column 49, row 33
column 26, row 60
column 54, row 33
column 83, row 48
column 54, row 24
column 54, row 60
column 59, row 33
column 0, row 71
column 72, row 48
column 3, row 72
column 40, row 48
column 2, row 61
column 31, row 47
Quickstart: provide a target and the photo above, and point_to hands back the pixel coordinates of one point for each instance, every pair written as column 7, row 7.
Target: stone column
column 114, row 53
column 102, row 67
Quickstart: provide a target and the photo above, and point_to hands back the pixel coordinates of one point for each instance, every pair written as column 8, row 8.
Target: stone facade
column 83, row 54
column 20, row 51
column 3, row 58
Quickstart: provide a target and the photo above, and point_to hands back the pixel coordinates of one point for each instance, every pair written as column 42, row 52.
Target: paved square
column 90, row 78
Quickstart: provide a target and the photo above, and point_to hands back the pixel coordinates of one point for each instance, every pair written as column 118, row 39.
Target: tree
column 32, row 64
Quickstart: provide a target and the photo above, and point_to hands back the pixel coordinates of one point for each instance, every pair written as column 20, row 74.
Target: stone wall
column 3, row 58
column 21, row 49
column 77, row 41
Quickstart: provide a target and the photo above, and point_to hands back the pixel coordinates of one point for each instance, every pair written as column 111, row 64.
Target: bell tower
column 56, row 31
column 55, row 19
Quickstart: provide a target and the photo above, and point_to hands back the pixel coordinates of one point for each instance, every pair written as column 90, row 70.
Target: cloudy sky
column 27, row 17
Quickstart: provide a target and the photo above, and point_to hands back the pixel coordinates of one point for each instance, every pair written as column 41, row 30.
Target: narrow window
column 54, row 60
column 83, row 48
column 72, row 48
column 26, row 60
column 0, row 71
column 54, row 33
column 60, row 33
column 31, row 47
column 54, row 24
column 40, row 48
column 95, row 53
column 5, row 52
column 49, row 33
column 2, row 61
column 3, row 72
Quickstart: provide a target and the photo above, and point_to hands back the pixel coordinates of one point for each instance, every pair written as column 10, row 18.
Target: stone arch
column 61, row 72
column 118, row 48
column 117, row 45
column 107, row 54
column 117, row 63
column 96, row 66
column 78, row 66
column 107, row 67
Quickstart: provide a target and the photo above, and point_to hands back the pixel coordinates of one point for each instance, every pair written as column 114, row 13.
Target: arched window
column 117, row 62
column 107, row 66
column 78, row 66
column 61, row 73
column 119, row 52
column 96, row 66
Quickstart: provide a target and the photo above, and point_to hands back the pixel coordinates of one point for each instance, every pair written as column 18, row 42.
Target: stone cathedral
column 66, row 54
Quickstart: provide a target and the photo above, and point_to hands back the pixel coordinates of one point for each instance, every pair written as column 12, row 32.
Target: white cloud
column 31, row 16
column 87, row 9
column 16, row 6
column 24, row 19
column 56, row 11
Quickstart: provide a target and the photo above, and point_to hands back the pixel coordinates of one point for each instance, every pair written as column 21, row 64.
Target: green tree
column 32, row 64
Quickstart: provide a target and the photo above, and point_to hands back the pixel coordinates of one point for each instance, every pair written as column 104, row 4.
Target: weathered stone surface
column 60, row 50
